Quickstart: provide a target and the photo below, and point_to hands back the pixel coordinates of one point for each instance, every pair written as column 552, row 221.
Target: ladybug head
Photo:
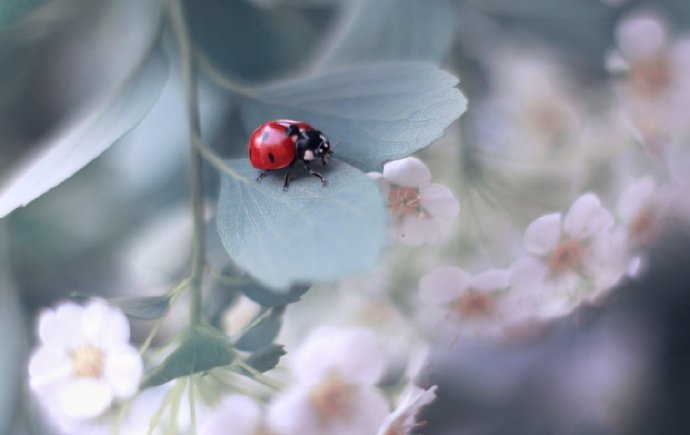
column 323, row 150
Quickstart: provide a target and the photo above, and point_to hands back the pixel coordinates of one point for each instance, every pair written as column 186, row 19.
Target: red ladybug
column 279, row 144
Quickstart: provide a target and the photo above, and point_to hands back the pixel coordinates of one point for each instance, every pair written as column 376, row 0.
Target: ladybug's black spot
column 250, row 153
column 264, row 135
column 271, row 157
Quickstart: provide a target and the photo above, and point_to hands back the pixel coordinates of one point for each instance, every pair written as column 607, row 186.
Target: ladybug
column 279, row 144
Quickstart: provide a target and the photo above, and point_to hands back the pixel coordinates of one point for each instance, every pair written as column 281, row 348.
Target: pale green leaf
column 375, row 30
column 200, row 350
column 372, row 113
column 309, row 233
column 74, row 146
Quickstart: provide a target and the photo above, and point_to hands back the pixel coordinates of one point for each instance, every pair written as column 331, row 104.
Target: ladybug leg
column 313, row 172
column 287, row 176
column 287, row 180
column 262, row 175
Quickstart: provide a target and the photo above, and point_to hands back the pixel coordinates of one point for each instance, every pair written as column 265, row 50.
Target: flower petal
column 543, row 234
column 642, row 36
column 492, row 279
column 291, row 414
column 438, row 200
column 123, row 369
column 237, row 412
column 85, row 398
column 527, row 275
column 407, row 172
column 49, row 366
column 586, row 217
column 634, row 198
column 104, row 325
column 353, row 353
column 61, row 326
column 415, row 231
column 442, row 285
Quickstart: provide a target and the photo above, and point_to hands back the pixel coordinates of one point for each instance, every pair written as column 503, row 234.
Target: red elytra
column 270, row 147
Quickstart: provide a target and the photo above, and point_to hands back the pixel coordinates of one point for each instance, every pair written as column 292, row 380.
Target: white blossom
column 570, row 259
column 456, row 304
column 84, row 361
column 402, row 420
column 239, row 413
column 655, row 92
column 335, row 372
column 415, row 203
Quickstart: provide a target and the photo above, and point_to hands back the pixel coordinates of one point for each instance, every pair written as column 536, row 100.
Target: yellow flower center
column 474, row 304
column 88, row 362
column 333, row 398
column 404, row 201
column 642, row 226
column 651, row 77
column 567, row 256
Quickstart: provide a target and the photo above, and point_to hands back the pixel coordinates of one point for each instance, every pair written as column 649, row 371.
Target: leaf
column 266, row 359
column 146, row 308
column 263, row 333
column 309, row 233
column 72, row 148
column 372, row 113
column 13, row 10
column 200, row 350
column 375, row 30
column 584, row 26
column 268, row 297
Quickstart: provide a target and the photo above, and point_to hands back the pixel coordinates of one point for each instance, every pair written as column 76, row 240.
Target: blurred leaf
column 201, row 349
column 677, row 11
column 581, row 25
column 263, row 333
column 73, row 147
column 372, row 113
column 147, row 308
column 375, row 30
column 310, row 232
column 267, row 358
column 15, row 340
column 268, row 297
column 12, row 10
column 256, row 43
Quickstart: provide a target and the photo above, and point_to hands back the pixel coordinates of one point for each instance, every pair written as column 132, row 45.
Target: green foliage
column 309, row 233
column 262, row 333
column 201, row 349
column 72, row 148
column 266, row 358
column 375, row 30
column 146, row 308
column 374, row 112
column 584, row 26
column 13, row 10
column 268, row 297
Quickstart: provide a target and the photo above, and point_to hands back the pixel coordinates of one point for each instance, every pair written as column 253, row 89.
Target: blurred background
column 565, row 97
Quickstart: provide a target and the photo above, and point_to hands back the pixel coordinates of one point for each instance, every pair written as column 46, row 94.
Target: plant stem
column 187, row 66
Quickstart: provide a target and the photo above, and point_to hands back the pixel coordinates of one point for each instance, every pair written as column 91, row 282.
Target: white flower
column 414, row 201
column 565, row 256
column 640, row 209
column 336, row 371
column 402, row 420
column 532, row 114
column 240, row 413
column 457, row 304
column 84, row 361
column 656, row 87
